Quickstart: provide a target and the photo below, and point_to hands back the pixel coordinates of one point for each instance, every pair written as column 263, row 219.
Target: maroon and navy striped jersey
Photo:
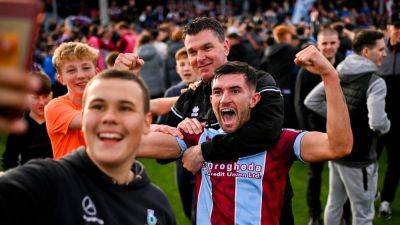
column 248, row 190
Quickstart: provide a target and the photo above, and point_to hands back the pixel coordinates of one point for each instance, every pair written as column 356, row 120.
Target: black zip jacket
column 74, row 191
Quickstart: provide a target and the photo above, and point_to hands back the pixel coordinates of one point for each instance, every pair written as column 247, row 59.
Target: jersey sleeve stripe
column 297, row 145
column 182, row 145
column 269, row 89
column 175, row 111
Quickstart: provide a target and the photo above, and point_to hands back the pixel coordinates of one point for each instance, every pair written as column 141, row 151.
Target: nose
column 200, row 56
column 109, row 116
column 187, row 67
column 42, row 100
column 225, row 98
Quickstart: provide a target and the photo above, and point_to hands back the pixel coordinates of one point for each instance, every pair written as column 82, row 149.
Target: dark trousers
column 314, row 193
column 314, row 189
column 287, row 217
column 185, row 180
column 392, row 175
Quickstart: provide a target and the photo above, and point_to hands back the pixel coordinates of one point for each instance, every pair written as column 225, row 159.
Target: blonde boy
column 75, row 64
column 185, row 72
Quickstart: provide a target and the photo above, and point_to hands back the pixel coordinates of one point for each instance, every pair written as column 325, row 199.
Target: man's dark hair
column 204, row 23
column 111, row 57
column 126, row 75
column 233, row 36
column 236, row 67
column 45, row 88
column 144, row 39
column 365, row 38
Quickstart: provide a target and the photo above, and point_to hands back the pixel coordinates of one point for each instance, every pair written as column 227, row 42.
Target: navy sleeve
column 261, row 132
column 168, row 93
column 177, row 114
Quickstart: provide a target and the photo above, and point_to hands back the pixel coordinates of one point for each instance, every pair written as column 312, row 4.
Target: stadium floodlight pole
column 103, row 6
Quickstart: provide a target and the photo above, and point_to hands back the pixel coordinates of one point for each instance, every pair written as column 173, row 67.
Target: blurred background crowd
column 133, row 25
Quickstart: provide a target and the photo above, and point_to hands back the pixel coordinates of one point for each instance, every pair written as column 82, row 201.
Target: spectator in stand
column 107, row 42
column 34, row 142
column 173, row 45
column 127, row 40
column 161, row 38
column 345, row 40
column 94, row 41
column 390, row 70
column 252, row 41
column 152, row 71
column 279, row 62
column 238, row 52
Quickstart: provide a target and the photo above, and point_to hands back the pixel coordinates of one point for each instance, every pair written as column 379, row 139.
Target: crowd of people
column 221, row 91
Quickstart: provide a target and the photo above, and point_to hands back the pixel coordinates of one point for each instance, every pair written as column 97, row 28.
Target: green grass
column 164, row 177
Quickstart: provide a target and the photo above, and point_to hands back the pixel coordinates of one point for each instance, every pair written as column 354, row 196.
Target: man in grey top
column 354, row 177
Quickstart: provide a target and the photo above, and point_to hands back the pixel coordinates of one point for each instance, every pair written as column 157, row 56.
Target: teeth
column 226, row 110
column 110, row 136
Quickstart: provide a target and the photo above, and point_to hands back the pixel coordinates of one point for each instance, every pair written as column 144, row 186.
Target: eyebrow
column 119, row 101
column 232, row 87
column 126, row 102
column 86, row 63
column 202, row 46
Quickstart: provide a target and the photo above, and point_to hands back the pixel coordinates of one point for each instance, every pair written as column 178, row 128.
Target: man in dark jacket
column 279, row 62
column 354, row 177
column 328, row 44
column 101, row 184
column 208, row 49
column 390, row 71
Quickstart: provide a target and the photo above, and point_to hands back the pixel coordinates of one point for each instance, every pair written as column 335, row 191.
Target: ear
column 255, row 99
column 226, row 47
column 97, row 70
column 365, row 52
column 147, row 122
column 60, row 79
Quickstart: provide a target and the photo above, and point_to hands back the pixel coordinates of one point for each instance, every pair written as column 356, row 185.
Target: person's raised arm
column 338, row 140
column 158, row 145
column 129, row 62
column 160, row 106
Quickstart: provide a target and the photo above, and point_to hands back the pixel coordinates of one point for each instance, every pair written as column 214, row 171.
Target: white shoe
column 384, row 210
